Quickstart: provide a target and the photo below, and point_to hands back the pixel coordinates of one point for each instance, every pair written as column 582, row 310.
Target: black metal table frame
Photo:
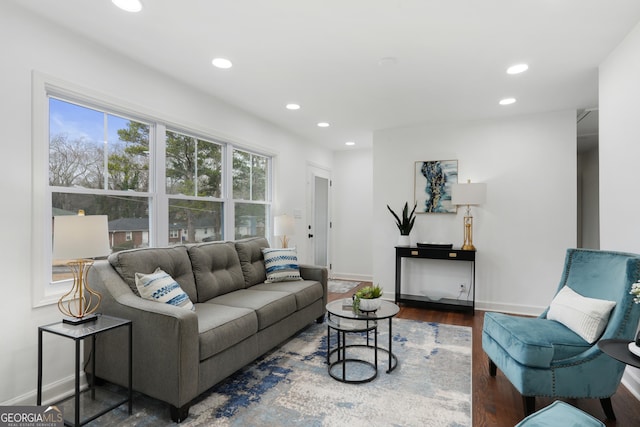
column 370, row 325
column 93, row 334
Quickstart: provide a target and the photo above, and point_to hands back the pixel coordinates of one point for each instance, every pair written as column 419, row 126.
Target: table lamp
column 468, row 194
column 283, row 225
column 77, row 239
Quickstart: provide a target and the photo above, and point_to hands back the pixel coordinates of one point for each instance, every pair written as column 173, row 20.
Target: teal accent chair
column 542, row 357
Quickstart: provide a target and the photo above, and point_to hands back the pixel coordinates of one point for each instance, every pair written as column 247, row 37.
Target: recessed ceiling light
column 507, row 101
column 323, row 125
column 387, row 60
column 517, row 69
column 349, row 143
column 223, row 63
column 293, row 107
column 128, row 5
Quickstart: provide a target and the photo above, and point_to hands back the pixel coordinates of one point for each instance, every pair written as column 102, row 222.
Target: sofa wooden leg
column 608, row 408
column 493, row 369
column 320, row 319
column 180, row 414
column 529, row 404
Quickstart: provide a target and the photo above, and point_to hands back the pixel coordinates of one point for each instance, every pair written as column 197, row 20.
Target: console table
column 437, row 254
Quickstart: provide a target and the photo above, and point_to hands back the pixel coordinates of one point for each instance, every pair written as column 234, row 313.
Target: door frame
column 314, row 171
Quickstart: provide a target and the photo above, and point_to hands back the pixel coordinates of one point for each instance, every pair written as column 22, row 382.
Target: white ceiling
column 451, row 55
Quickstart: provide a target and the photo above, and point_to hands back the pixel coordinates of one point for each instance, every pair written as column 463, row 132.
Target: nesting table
column 344, row 320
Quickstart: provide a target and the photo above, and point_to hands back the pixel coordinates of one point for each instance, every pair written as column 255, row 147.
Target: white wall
column 619, row 153
column 588, row 199
column 528, row 220
column 28, row 43
column 352, row 214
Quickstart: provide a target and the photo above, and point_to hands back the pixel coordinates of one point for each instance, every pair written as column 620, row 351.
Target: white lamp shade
column 79, row 237
column 283, row 225
column 468, row 194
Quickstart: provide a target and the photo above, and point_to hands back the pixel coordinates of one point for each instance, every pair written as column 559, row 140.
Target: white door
column 319, row 227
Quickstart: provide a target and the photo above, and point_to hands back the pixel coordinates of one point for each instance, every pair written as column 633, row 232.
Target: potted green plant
column 405, row 225
column 367, row 298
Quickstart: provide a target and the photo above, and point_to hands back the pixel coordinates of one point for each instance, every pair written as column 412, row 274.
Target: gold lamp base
column 81, row 302
column 468, row 233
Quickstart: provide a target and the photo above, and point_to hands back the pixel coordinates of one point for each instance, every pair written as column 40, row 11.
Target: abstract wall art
column 433, row 180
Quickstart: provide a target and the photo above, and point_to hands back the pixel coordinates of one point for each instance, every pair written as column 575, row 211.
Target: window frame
column 44, row 291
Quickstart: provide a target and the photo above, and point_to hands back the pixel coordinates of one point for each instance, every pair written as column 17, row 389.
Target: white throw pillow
column 281, row 265
column 161, row 287
column 586, row 317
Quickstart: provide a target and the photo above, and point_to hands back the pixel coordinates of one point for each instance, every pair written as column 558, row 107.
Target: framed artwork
column 432, row 190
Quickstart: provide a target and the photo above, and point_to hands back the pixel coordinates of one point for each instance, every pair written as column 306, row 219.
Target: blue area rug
column 290, row 386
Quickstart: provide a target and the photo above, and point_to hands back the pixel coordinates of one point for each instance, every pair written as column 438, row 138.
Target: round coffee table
column 343, row 319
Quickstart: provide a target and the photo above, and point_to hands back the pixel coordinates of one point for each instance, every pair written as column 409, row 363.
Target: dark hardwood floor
column 495, row 401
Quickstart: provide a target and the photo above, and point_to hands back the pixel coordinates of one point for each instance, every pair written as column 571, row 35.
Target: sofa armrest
column 165, row 340
column 317, row 273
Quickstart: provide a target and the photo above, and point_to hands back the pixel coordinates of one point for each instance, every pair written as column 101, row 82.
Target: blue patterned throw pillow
column 161, row 287
column 281, row 265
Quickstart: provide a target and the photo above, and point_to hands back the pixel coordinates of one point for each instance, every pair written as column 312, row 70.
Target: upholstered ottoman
column 560, row 414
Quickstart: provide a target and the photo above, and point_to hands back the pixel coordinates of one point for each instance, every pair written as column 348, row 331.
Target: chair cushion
column 306, row 291
column 534, row 342
column 251, row 259
column 216, row 268
column 270, row 306
column 281, row 265
column 560, row 414
column 221, row 327
column 586, row 317
column 174, row 260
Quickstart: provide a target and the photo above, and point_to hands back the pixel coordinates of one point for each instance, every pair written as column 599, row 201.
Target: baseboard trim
column 53, row 392
column 350, row 276
column 631, row 380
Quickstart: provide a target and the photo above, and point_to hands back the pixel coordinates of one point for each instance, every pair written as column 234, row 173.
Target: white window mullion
column 159, row 218
column 229, row 208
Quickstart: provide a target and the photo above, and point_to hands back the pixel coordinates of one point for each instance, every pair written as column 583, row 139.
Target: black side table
column 618, row 349
column 78, row 333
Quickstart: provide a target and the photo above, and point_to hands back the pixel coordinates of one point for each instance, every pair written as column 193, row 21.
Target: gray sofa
column 179, row 353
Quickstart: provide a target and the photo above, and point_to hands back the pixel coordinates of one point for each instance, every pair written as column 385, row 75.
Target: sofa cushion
column 216, row 268
column 270, row 306
column 251, row 259
column 586, row 317
column 221, row 327
column 306, row 292
column 531, row 341
column 161, row 287
column 173, row 260
column 281, row 265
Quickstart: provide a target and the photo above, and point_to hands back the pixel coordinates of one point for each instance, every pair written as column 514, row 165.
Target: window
column 194, row 187
column 99, row 163
column 250, row 193
column 158, row 185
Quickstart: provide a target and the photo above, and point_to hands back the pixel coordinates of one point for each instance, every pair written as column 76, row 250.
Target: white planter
column 369, row 304
column 404, row 240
